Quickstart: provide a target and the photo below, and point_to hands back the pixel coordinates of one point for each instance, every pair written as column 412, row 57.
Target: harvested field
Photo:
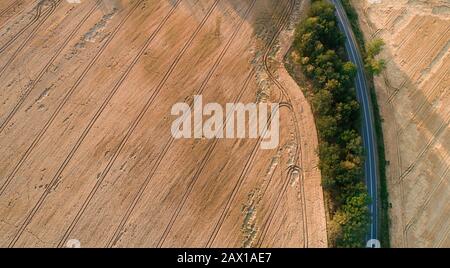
column 415, row 102
column 86, row 150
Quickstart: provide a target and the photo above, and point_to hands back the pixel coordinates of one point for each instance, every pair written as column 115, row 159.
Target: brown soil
column 86, row 150
column 414, row 98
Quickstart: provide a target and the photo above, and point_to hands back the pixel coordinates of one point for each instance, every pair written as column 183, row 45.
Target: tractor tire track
column 32, row 34
column 425, row 204
column 28, row 39
column 97, row 115
column 298, row 150
column 435, row 137
column 64, row 101
column 413, row 30
column 12, row 9
column 42, row 132
column 118, row 232
column 429, row 111
column 441, row 241
column 211, row 148
column 275, row 207
column 33, row 20
column 131, row 129
column 107, row 100
column 415, row 67
column 8, row 8
column 394, row 94
column 422, row 57
column 252, row 156
column 45, row 69
column 250, row 160
column 430, row 94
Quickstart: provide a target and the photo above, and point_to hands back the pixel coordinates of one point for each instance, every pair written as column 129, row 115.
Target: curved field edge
column 340, row 142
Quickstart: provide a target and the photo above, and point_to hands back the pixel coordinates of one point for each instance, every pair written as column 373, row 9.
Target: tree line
column 319, row 50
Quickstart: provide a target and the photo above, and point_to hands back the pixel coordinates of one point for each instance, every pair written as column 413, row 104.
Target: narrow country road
column 368, row 128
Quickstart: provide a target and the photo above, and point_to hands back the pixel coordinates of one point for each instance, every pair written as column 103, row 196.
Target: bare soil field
column 86, row 150
column 414, row 96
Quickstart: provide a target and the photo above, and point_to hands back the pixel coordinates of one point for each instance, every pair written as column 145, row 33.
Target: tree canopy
column 319, row 50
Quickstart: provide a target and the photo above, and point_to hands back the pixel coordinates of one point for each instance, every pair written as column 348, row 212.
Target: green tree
column 329, row 157
column 322, row 102
column 375, row 47
column 349, row 69
column 319, row 49
column 373, row 65
column 328, row 127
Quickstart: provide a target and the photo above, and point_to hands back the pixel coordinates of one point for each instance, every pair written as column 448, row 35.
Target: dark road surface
column 368, row 127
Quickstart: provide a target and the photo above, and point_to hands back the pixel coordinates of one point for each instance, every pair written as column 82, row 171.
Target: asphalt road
column 368, row 128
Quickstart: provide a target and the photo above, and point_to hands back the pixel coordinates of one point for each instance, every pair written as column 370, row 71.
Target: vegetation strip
column 374, row 68
column 320, row 52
